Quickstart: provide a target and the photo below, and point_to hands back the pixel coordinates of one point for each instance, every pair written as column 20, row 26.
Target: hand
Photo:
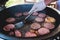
column 2, row 2
column 39, row 6
column 48, row 1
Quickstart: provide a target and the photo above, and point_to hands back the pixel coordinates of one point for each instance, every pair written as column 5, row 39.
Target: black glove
column 3, row 2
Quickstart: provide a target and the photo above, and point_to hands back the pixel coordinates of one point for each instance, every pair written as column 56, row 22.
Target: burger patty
column 10, row 20
column 35, row 25
column 42, row 15
column 49, row 25
column 30, row 34
column 43, row 31
column 8, row 27
column 38, row 19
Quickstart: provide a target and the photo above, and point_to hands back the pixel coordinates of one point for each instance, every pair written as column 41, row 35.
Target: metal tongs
column 36, row 7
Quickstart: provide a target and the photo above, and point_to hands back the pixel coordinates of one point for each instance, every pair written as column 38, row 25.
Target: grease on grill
column 41, row 25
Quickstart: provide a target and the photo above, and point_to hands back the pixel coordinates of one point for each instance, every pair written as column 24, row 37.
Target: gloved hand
column 39, row 6
column 2, row 2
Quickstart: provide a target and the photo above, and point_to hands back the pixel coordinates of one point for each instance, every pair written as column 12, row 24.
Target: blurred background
column 17, row 2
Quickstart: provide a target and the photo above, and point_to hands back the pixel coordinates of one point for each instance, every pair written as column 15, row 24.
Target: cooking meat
column 11, row 33
column 18, row 33
column 35, row 25
column 10, row 20
column 38, row 19
column 35, row 14
column 43, row 31
column 49, row 25
column 18, row 14
column 8, row 27
column 30, row 34
column 37, row 32
column 25, row 13
column 32, row 30
column 50, row 19
column 42, row 15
